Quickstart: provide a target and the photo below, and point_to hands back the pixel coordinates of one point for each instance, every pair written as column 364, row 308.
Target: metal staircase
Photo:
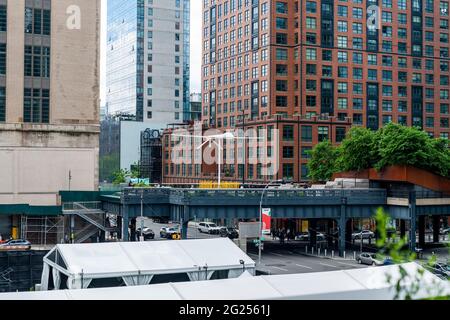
column 90, row 212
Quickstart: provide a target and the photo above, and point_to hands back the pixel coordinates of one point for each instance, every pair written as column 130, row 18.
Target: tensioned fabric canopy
column 356, row 284
column 138, row 262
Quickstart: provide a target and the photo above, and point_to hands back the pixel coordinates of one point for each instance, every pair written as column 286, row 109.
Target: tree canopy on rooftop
column 393, row 144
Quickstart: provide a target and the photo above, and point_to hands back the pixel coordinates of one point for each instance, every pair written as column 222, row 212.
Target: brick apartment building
column 313, row 68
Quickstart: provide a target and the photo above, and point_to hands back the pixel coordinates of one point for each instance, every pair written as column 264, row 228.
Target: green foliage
column 358, row 151
column 392, row 145
column 407, row 285
column 323, row 161
column 120, row 176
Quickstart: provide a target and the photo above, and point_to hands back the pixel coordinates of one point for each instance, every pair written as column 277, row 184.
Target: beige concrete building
column 49, row 99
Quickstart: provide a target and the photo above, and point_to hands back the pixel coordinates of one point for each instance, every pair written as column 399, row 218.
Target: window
column 2, row 59
column 37, row 21
column 288, row 133
column 3, row 19
column 288, row 171
column 281, row 54
column 306, row 134
column 36, row 105
column 288, row 152
column 37, row 61
column 2, row 104
column 323, row 133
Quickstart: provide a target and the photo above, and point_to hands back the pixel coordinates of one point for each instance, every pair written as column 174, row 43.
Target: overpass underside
column 341, row 205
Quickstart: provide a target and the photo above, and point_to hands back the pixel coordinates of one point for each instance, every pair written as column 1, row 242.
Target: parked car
column 388, row 261
column 168, row 232
column 370, row 259
column 445, row 231
column 18, row 244
column 147, row 233
column 365, row 234
column 208, row 227
column 231, row 233
column 306, row 237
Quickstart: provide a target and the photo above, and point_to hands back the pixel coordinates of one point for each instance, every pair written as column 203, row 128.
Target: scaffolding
column 43, row 231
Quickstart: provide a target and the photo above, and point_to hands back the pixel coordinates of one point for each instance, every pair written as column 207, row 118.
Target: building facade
column 148, row 59
column 195, row 111
column 49, row 99
column 361, row 62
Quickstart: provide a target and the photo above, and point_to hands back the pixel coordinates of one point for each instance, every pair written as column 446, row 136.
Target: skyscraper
column 49, row 100
column 311, row 68
column 148, row 59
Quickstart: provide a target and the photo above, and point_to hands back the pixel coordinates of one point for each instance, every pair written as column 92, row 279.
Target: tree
column 358, row 151
column 323, row 162
column 400, row 145
column 120, row 176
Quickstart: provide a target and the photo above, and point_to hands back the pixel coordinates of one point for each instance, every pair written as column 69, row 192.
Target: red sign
column 267, row 220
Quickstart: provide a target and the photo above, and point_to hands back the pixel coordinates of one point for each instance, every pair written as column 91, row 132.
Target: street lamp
column 212, row 139
column 260, row 217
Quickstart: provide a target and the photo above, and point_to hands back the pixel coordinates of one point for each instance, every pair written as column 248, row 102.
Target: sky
column 196, row 48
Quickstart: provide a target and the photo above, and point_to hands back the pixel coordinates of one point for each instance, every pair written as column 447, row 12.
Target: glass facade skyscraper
column 148, row 59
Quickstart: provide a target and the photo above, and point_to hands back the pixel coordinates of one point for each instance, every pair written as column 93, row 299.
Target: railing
column 299, row 193
column 255, row 193
column 404, row 194
column 84, row 206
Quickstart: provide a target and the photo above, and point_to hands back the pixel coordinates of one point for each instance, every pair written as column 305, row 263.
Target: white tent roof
column 356, row 284
column 152, row 257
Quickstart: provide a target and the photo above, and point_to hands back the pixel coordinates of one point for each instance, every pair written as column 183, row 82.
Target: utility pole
column 141, row 236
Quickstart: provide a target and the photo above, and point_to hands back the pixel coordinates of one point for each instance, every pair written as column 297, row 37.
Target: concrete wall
column 75, row 63
column 35, row 159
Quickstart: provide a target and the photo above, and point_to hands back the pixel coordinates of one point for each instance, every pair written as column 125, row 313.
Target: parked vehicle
column 208, row 227
column 365, row 234
column 168, row 232
column 306, row 237
column 161, row 220
column 370, row 259
column 231, row 233
column 18, row 244
column 445, row 231
column 147, row 233
column 388, row 261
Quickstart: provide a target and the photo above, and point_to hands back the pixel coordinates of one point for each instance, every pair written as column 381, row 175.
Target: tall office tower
column 311, row 68
column 49, row 102
column 148, row 59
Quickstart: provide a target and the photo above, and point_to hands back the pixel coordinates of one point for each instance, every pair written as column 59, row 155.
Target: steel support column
column 185, row 222
column 412, row 215
column 330, row 233
column 402, row 228
column 125, row 223
column 421, row 231
column 342, row 226
column 313, row 232
column 436, row 225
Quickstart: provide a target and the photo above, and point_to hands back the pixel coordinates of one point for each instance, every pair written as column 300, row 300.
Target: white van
column 208, row 227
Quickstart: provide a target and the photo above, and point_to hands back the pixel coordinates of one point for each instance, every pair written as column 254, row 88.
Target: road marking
column 276, row 254
column 301, row 266
column 281, row 269
column 327, row 265
column 347, row 264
